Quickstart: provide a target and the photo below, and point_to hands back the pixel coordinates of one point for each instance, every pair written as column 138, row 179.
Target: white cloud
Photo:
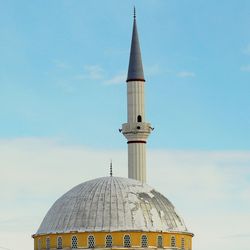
column 117, row 79
column 245, row 68
column 247, row 50
column 16, row 241
column 94, row 72
column 91, row 72
column 211, row 189
column 185, row 74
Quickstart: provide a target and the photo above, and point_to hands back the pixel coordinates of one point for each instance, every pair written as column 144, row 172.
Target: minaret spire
column 136, row 130
column 135, row 69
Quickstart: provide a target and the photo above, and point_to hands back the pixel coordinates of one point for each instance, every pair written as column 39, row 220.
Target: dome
column 111, row 204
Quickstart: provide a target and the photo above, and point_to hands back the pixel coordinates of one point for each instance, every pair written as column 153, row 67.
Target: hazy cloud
column 91, row 72
column 245, row 68
column 65, row 85
column 94, row 72
column 153, row 69
column 237, row 236
column 246, row 50
column 117, row 79
column 185, row 74
column 61, row 64
column 208, row 187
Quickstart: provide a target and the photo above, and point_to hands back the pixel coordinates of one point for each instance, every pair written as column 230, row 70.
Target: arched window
column 91, row 241
column 139, row 118
column 109, row 241
column 159, row 241
column 74, row 242
column 59, row 242
column 182, row 244
column 47, row 243
column 39, row 244
column 144, row 241
column 126, row 241
column 173, row 242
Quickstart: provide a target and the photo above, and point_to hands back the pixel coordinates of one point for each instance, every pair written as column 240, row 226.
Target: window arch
column 126, row 241
column 91, row 241
column 47, row 243
column 182, row 244
column 159, row 241
column 139, row 118
column 39, row 244
column 74, row 242
column 173, row 241
column 144, row 241
column 59, row 242
column 109, row 241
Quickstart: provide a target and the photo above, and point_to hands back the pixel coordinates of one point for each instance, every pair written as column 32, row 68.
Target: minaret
column 136, row 130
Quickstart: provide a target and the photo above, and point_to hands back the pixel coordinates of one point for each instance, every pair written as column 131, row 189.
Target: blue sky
column 63, row 68
column 64, row 63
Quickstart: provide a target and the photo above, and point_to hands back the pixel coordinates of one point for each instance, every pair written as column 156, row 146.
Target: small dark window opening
column 159, row 241
column 59, row 242
column 126, row 241
column 144, row 241
column 139, row 118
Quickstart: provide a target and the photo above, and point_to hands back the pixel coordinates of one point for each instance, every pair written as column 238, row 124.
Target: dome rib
column 106, row 206
column 92, row 208
column 123, row 212
column 99, row 203
column 116, row 203
column 159, row 204
column 111, row 204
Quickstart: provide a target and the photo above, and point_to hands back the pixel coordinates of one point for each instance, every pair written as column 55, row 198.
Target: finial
column 111, row 169
column 134, row 13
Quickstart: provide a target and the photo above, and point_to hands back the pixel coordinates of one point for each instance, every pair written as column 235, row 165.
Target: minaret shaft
column 135, row 101
column 137, row 161
column 136, row 130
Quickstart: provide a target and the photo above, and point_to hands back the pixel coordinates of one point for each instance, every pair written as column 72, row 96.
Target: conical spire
column 135, row 69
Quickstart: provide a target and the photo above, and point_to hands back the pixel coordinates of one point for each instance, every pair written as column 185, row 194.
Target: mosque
column 114, row 212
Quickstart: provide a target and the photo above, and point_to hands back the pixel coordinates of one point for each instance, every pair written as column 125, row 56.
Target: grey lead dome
column 111, row 204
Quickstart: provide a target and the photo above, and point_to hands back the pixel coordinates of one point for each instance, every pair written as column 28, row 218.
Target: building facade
column 115, row 212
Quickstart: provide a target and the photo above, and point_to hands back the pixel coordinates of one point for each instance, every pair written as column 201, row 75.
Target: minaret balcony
column 136, row 130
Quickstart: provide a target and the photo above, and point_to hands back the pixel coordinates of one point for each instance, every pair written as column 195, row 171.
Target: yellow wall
column 117, row 239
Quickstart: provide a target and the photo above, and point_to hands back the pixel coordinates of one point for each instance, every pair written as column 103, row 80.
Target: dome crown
column 111, row 204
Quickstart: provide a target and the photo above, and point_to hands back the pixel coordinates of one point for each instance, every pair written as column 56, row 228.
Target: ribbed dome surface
column 111, row 204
